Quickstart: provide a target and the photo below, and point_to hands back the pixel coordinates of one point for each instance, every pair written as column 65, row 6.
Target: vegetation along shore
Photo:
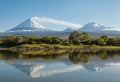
column 75, row 41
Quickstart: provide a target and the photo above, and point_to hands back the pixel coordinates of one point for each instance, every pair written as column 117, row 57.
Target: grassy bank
column 26, row 47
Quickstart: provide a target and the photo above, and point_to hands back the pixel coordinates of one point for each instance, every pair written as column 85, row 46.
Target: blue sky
column 13, row 12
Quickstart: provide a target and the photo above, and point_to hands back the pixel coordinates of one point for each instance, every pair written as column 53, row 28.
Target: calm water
column 60, row 66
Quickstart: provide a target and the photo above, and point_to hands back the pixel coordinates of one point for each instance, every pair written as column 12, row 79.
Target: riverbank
column 28, row 47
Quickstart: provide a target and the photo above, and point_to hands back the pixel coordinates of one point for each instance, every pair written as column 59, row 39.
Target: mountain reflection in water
column 52, row 64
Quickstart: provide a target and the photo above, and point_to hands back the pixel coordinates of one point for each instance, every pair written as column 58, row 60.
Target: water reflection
column 44, row 68
column 43, row 64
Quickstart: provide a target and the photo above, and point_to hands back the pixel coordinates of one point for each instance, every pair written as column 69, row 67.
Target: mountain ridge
column 33, row 26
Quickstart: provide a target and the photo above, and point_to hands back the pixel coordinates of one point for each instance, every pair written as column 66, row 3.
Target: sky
column 106, row 12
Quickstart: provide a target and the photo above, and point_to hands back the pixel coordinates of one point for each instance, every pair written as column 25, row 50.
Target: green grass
column 59, row 46
column 49, row 46
column 107, row 47
column 27, row 47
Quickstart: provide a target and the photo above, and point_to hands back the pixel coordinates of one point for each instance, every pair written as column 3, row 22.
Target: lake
column 60, row 66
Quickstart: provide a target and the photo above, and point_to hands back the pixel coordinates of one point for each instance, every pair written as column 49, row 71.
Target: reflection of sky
column 43, row 68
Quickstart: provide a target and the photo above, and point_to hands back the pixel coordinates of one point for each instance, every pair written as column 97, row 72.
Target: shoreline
column 36, row 47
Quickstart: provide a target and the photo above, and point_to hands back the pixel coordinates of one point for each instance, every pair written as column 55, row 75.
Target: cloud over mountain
column 54, row 21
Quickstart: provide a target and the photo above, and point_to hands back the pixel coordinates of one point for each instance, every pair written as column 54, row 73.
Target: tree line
column 75, row 38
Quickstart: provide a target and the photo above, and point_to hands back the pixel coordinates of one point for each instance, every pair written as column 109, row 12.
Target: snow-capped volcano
column 31, row 24
column 99, row 28
column 93, row 27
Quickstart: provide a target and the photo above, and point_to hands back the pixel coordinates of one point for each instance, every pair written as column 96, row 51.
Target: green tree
column 34, row 39
column 102, row 42
column 105, row 38
column 114, row 41
column 85, row 38
column 56, row 40
column 77, row 38
column 10, row 41
column 29, row 39
column 47, row 39
column 1, row 41
column 74, row 37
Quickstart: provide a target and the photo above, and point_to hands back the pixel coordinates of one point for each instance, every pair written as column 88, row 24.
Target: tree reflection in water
column 74, row 56
column 48, row 63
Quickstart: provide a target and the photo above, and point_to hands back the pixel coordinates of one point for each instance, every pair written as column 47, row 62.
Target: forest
column 75, row 38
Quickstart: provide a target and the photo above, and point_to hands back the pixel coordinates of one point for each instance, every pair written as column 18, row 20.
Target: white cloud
column 58, row 22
